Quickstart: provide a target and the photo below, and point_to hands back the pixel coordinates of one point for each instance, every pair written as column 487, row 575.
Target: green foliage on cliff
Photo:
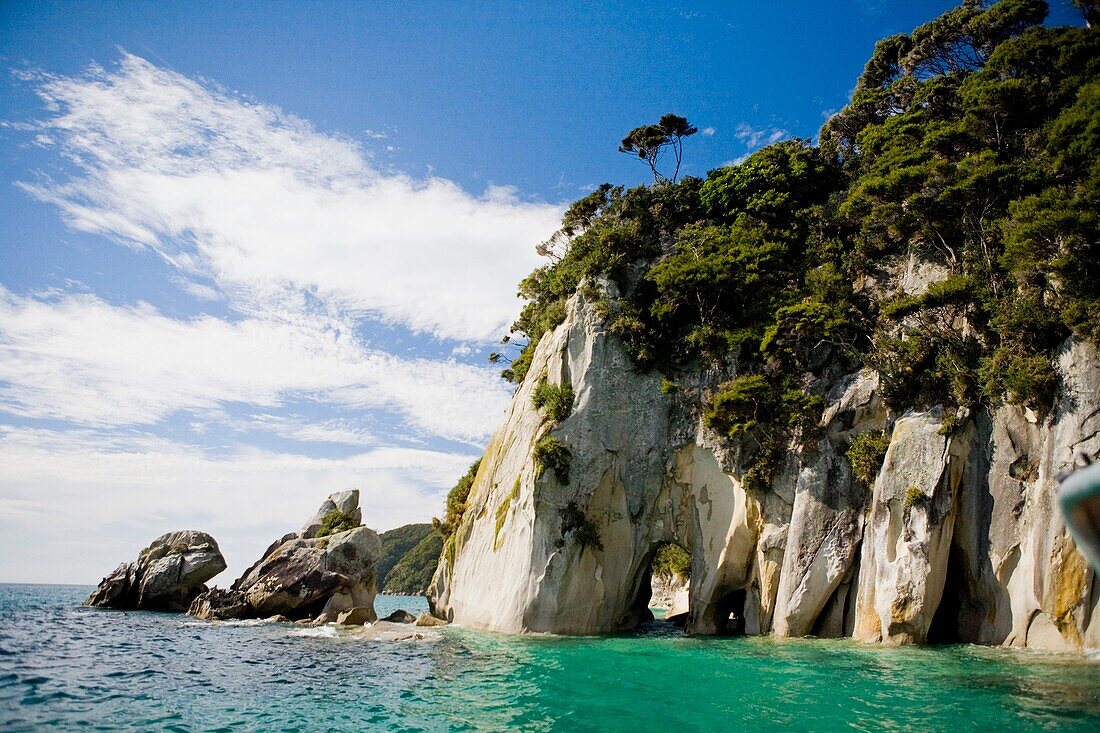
column 413, row 572
column 970, row 144
column 866, row 452
column 335, row 521
column 555, row 401
column 456, row 502
column 584, row 530
column 551, row 453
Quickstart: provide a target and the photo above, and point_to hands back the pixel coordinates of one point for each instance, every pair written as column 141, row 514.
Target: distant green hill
column 413, row 572
column 396, row 543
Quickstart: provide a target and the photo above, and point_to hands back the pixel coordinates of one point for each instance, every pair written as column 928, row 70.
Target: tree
column 649, row 141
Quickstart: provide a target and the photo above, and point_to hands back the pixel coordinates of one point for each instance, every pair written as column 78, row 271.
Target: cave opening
column 665, row 590
column 949, row 622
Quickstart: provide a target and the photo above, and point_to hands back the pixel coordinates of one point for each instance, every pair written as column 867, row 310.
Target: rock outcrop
column 167, row 575
column 304, row 575
column 958, row 537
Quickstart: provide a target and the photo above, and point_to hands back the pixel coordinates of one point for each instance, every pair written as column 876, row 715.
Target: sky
column 255, row 252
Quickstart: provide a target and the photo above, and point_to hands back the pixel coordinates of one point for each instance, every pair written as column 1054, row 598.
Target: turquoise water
column 65, row 667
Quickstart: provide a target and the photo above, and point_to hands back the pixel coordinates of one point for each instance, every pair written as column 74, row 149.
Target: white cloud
column 54, row 481
column 759, row 137
column 261, row 203
column 78, row 358
column 708, row 131
column 295, row 427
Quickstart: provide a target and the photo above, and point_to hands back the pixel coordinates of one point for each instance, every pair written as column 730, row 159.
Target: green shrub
column 554, row 401
column 456, row 501
column 551, row 453
column 915, row 497
column 335, row 521
column 1018, row 377
column 669, row 387
column 739, row 404
column 672, row 560
column 586, row 532
column 866, row 453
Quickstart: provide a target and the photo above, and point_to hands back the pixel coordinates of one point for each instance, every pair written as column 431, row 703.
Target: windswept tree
column 648, row 142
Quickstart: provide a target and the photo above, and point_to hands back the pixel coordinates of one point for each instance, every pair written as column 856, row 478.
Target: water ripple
column 66, row 667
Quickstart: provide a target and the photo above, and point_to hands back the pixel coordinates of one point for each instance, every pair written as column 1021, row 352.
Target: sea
column 65, row 667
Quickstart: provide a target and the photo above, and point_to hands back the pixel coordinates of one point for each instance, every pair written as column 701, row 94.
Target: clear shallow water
column 65, row 667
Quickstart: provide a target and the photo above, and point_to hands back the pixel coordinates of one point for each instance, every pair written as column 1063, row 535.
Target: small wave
column 327, row 632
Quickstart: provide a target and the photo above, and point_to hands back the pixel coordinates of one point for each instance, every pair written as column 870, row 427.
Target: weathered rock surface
column 167, row 575
column 303, row 576
column 426, row 619
column 357, row 616
column 959, row 537
column 400, row 616
column 217, row 604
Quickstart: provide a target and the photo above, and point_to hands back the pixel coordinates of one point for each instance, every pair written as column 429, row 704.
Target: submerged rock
column 167, row 575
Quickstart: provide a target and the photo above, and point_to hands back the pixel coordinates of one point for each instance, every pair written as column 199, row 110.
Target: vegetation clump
column 585, row 531
column 866, row 452
column 551, row 453
column 915, row 497
column 335, row 521
column 672, row 560
column 457, row 499
column 554, row 401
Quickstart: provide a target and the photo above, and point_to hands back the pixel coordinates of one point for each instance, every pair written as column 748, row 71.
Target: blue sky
column 256, row 252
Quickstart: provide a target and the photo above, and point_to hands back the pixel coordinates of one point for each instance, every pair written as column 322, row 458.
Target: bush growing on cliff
column 551, row 453
column 335, row 521
column 866, row 453
column 554, row 401
column 586, row 532
column 456, row 501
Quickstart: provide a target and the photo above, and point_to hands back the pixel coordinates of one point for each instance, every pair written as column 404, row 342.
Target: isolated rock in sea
column 400, row 616
column 167, row 575
column 217, row 604
column 426, row 619
column 310, row 576
column 957, row 539
column 357, row 616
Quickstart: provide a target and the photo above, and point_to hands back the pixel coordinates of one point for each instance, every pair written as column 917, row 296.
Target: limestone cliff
column 957, row 539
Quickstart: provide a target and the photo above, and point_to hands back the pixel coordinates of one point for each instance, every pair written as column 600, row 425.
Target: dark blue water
column 66, row 667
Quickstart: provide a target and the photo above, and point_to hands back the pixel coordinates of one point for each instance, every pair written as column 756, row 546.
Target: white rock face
column 958, row 539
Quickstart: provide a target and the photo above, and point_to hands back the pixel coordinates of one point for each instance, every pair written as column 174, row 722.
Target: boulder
column 167, row 575
column 219, row 605
column 426, row 619
column 357, row 616
column 303, row 575
column 400, row 616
